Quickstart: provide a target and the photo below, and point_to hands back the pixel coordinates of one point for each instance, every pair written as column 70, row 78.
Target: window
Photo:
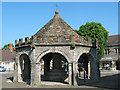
column 115, row 50
column 108, row 51
column 105, row 51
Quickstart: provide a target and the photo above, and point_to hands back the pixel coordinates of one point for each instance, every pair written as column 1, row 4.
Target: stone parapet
column 57, row 40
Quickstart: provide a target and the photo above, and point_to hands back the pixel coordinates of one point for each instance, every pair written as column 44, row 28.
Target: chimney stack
column 10, row 46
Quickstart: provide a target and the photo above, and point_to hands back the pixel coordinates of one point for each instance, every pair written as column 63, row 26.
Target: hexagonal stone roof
column 56, row 27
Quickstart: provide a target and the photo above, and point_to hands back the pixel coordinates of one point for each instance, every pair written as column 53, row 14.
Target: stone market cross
column 55, row 53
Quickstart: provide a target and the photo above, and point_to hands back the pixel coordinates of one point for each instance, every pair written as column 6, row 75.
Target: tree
column 95, row 30
column 6, row 47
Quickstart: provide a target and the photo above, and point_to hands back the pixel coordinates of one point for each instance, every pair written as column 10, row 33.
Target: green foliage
column 95, row 30
column 12, row 45
column 6, row 47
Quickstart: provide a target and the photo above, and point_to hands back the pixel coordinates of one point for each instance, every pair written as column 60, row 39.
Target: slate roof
column 114, row 39
column 55, row 27
column 7, row 55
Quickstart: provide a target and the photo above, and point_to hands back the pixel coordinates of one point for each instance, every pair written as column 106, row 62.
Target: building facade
column 8, row 58
column 111, row 59
column 55, row 53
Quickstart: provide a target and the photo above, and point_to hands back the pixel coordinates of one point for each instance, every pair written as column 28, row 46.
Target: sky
column 24, row 19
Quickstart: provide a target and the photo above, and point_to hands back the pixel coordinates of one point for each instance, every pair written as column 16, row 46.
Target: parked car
column 2, row 69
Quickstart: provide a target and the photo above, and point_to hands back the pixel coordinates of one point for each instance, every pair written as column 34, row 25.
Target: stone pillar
column 20, row 79
column 35, row 74
column 117, row 50
column 96, row 70
column 32, row 73
column 16, row 42
column 70, row 76
column 15, row 72
column 113, row 65
column 75, row 75
column 20, row 41
column 26, row 40
column 89, row 69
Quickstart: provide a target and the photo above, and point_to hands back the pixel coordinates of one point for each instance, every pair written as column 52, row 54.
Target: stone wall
column 71, row 54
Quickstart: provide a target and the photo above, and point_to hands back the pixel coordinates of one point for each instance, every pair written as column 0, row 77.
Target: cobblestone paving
column 109, row 80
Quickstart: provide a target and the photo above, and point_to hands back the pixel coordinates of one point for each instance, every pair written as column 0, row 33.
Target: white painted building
column 8, row 59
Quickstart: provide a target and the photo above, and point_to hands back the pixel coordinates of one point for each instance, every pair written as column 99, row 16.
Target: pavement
column 109, row 80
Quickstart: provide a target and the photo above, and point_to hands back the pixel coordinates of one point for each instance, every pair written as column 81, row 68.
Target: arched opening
column 54, row 67
column 117, row 65
column 25, row 67
column 85, row 68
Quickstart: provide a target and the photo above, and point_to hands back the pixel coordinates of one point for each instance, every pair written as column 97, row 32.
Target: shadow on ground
column 106, row 82
column 10, row 78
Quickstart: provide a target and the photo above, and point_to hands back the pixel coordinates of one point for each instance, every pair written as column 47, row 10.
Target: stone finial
column 32, row 37
column 26, row 39
column 56, row 12
column 20, row 40
column 16, row 42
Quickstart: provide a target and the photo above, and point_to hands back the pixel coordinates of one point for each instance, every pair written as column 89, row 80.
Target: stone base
column 55, row 75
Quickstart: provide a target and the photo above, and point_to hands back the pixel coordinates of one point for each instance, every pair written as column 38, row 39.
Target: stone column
column 70, row 76
column 113, row 65
column 96, row 71
column 117, row 50
column 75, row 75
column 15, row 72
column 89, row 69
column 35, row 74
column 20, row 79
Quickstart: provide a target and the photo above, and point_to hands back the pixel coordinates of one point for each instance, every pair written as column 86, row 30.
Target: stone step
column 55, row 78
column 55, row 75
column 56, row 72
